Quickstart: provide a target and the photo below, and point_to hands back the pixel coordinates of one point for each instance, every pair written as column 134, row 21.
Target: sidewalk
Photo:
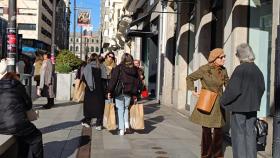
column 61, row 128
column 168, row 134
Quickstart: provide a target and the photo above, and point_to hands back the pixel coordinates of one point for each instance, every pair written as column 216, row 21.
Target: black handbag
column 262, row 131
column 119, row 86
column 118, row 89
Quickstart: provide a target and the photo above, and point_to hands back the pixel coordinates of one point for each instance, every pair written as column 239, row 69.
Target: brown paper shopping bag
column 109, row 117
column 79, row 91
column 137, row 117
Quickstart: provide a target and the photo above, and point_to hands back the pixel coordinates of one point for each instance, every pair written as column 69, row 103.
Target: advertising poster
column 83, row 17
column 87, row 31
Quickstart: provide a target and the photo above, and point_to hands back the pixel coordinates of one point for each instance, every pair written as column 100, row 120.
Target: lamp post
column 12, row 36
column 53, row 33
column 74, row 35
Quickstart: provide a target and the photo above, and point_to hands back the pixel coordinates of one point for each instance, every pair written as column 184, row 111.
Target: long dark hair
column 127, row 60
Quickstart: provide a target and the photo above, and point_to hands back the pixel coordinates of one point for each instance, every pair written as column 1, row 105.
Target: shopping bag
column 32, row 114
column 137, row 117
column 79, row 91
column 109, row 117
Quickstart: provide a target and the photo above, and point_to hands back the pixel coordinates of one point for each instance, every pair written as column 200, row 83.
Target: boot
column 49, row 104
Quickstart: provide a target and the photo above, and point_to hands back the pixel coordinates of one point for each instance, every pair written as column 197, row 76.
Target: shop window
column 22, row 26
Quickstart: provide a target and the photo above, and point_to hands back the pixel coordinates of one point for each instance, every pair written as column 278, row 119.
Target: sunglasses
column 222, row 57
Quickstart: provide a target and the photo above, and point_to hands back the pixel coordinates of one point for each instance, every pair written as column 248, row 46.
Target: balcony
column 133, row 5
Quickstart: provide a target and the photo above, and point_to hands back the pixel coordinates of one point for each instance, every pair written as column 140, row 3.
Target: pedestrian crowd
column 107, row 88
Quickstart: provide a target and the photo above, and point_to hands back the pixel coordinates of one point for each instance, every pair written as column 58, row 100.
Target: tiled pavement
column 168, row 134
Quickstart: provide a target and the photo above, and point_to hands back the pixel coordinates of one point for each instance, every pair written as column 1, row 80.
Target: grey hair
column 245, row 53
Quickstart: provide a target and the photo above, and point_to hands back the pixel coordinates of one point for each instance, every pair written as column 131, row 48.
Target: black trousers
column 99, row 121
column 30, row 140
column 243, row 134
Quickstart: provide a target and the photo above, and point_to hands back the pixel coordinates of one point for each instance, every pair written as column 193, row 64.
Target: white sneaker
column 121, row 132
column 85, row 125
column 99, row 128
column 126, row 125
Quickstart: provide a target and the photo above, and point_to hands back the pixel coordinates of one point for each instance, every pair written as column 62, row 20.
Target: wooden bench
column 8, row 146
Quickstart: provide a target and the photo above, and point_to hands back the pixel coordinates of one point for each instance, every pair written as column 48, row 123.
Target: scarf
column 89, row 76
column 106, row 69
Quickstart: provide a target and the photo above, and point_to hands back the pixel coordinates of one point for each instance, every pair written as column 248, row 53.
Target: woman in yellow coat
column 213, row 76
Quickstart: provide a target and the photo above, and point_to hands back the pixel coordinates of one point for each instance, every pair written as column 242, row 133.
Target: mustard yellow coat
column 212, row 78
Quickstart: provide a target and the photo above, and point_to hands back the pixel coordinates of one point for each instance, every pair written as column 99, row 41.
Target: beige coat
column 47, row 79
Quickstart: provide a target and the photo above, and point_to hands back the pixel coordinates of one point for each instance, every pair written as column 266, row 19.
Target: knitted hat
column 214, row 54
column 3, row 68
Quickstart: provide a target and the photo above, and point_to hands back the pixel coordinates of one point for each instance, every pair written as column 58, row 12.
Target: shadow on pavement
column 151, row 108
column 149, row 125
column 65, row 148
column 56, row 105
column 59, row 126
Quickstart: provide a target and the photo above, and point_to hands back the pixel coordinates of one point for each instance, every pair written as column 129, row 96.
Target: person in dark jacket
column 242, row 97
column 94, row 100
column 126, row 76
column 14, row 104
column 107, row 65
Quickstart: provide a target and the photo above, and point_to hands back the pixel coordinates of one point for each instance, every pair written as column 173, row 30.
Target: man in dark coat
column 14, row 104
column 242, row 97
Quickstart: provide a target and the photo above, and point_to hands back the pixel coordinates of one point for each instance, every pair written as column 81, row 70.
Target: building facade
column 176, row 38
column 114, row 21
column 35, row 21
column 85, row 45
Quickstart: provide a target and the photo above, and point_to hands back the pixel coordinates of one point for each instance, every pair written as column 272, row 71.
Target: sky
column 94, row 5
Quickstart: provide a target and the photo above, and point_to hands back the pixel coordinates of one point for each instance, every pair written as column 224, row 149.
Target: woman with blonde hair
column 213, row 76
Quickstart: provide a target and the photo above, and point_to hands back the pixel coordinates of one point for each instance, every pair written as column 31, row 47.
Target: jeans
column 122, row 104
column 243, row 134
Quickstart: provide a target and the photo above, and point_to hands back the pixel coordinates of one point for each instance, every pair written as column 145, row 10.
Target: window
column 71, row 40
column 96, row 49
column 77, row 48
column 92, row 40
column 77, row 40
column 22, row 26
column 27, row 11
column 44, row 4
column 71, row 48
column 46, row 20
column 92, row 49
column 46, row 32
column 1, row 10
column 96, row 41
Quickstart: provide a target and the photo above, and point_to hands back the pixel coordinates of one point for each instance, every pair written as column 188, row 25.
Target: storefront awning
column 139, row 20
column 140, row 33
